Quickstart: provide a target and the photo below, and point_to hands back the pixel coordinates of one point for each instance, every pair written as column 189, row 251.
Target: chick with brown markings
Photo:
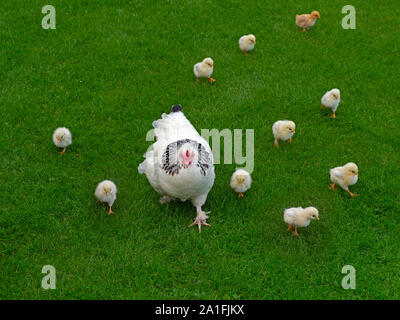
column 306, row 21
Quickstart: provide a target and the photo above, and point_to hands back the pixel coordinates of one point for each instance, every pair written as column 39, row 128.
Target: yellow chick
column 331, row 99
column 204, row 69
column 299, row 217
column 247, row 43
column 106, row 191
column 62, row 138
column 344, row 176
column 240, row 182
column 283, row 130
column 306, row 21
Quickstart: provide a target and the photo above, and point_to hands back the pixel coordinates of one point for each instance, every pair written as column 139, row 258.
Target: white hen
column 179, row 165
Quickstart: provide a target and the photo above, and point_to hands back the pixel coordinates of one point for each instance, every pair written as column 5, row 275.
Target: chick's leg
column 295, row 232
column 240, row 194
column 289, row 227
column 290, row 140
column 276, row 143
column 334, row 115
column 197, row 79
column 211, row 79
column 351, row 193
column 110, row 211
column 332, row 186
column 322, row 106
column 245, row 53
column 63, row 151
column 200, row 219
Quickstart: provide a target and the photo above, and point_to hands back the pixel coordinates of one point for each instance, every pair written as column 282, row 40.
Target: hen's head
column 208, row 62
column 351, row 169
column 187, row 155
column 315, row 15
column 251, row 38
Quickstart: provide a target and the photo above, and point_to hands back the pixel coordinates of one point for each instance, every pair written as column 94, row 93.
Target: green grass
column 112, row 67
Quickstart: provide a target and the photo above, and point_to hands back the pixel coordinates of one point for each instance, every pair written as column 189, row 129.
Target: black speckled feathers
column 170, row 162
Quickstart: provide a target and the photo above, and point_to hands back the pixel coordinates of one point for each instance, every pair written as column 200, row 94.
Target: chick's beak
column 356, row 173
column 59, row 139
column 240, row 181
column 317, row 218
column 293, row 131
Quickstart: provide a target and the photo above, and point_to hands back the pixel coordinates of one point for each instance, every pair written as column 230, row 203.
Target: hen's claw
column 201, row 221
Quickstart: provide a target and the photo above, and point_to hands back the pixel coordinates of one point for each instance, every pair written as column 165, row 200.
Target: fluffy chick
column 106, row 191
column 247, row 43
column 299, row 217
column 204, row 69
column 62, row 138
column 331, row 99
column 344, row 176
column 306, row 21
column 283, row 130
column 240, row 182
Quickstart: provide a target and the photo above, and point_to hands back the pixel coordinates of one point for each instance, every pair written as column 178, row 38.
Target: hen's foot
column 201, row 220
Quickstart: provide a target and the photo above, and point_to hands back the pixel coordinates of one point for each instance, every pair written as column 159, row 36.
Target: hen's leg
column 201, row 218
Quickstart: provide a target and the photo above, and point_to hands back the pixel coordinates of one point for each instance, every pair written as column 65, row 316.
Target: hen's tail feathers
column 177, row 108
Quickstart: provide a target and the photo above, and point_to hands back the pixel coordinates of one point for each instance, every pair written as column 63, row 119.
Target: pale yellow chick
column 306, row 21
column 299, row 217
column 241, row 182
column 204, row 69
column 283, row 130
column 106, row 191
column 247, row 43
column 344, row 176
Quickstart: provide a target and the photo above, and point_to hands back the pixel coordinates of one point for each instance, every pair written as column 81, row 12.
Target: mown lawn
column 112, row 67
